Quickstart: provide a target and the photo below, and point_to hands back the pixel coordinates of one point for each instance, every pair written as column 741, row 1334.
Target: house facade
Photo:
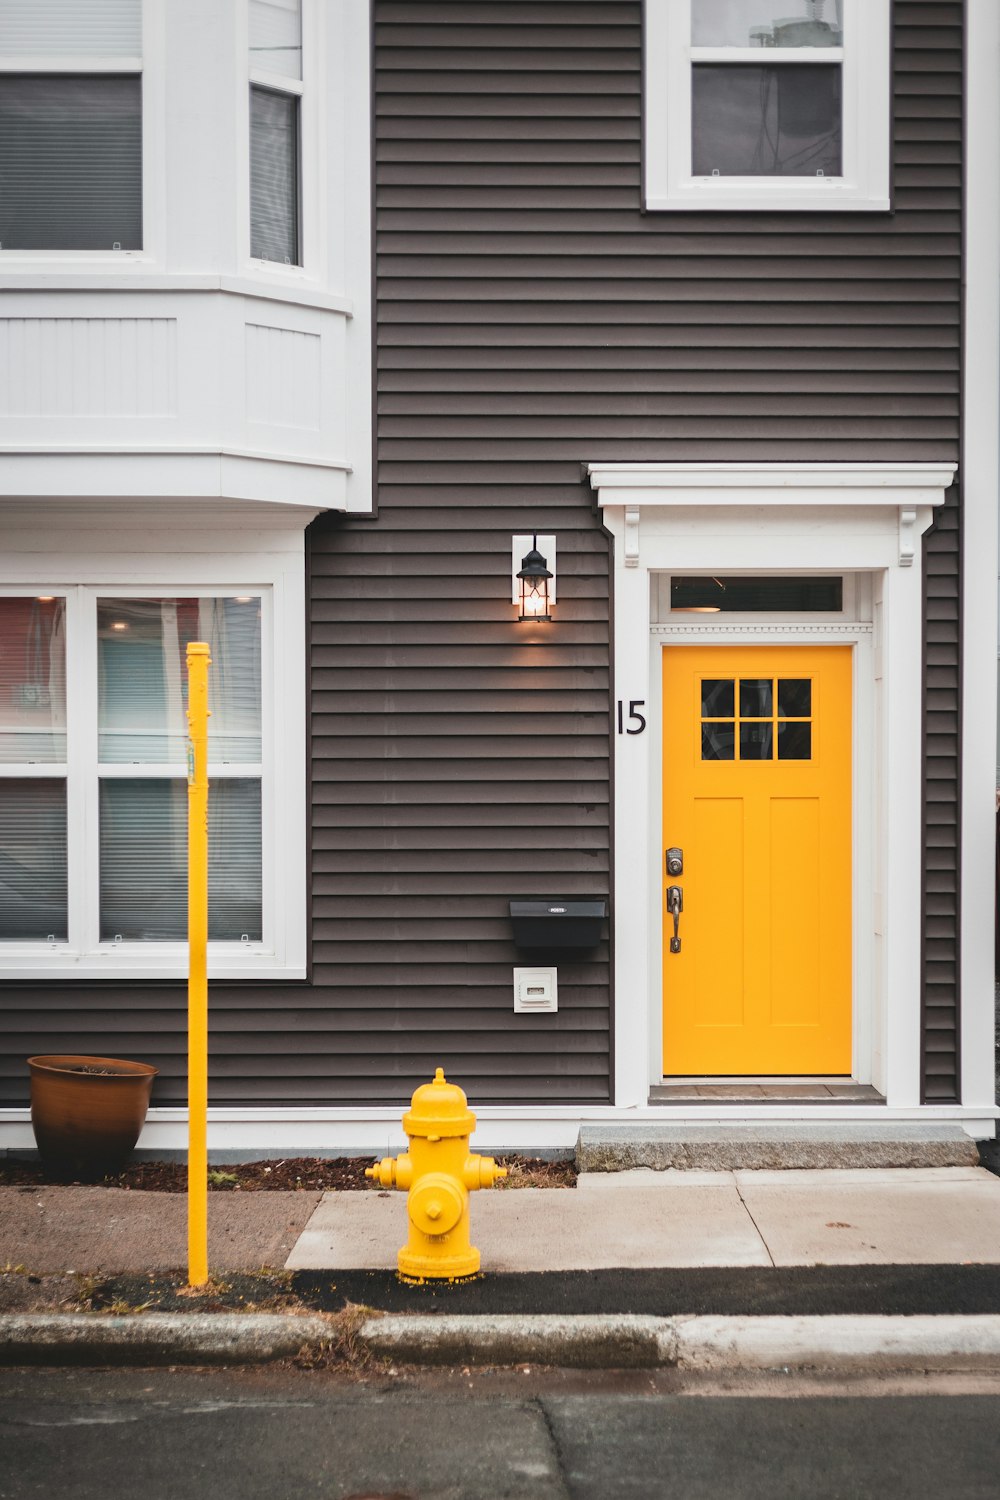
column 360, row 304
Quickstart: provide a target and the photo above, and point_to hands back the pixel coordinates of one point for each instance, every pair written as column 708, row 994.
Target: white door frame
column 778, row 518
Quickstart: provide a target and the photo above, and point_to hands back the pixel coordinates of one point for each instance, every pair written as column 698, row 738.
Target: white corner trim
column 980, row 491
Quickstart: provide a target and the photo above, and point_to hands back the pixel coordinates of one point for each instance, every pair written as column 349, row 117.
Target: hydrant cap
column 439, row 1108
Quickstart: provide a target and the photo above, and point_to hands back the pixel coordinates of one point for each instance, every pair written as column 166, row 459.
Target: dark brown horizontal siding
column 941, row 751
column 530, row 318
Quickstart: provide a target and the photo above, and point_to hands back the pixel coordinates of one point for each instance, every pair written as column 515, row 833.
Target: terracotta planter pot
column 87, row 1112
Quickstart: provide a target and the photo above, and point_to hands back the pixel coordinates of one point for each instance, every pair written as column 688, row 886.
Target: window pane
column 756, row 698
column 144, row 860
column 717, row 741
column 794, row 741
column 715, row 595
column 32, row 680
column 32, row 859
column 276, row 36
column 718, row 696
column 142, row 678
column 71, row 150
column 274, row 176
column 750, row 121
column 97, row 28
column 756, row 741
column 765, row 23
column 794, row 697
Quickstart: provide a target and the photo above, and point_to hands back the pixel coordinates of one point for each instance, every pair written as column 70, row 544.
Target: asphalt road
column 240, row 1435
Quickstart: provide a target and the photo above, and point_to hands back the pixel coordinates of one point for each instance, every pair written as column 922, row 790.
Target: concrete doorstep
column 856, row 1343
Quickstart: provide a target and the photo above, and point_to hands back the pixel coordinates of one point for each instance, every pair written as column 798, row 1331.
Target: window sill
column 134, row 961
column 726, row 198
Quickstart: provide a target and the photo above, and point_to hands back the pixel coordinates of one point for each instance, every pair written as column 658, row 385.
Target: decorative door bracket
column 907, row 535
column 632, row 536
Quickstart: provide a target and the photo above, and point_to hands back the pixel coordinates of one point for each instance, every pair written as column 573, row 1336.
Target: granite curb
column 857, row 1342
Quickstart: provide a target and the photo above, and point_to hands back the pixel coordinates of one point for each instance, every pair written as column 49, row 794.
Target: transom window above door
column 766, row 104
column 756, row 718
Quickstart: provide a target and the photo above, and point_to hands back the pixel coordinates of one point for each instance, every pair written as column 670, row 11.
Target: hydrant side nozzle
column 481, row 1172
column 383, row 1172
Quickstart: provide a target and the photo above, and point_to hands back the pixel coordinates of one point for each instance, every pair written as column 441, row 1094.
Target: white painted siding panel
column 283, row 383
column 88, row 367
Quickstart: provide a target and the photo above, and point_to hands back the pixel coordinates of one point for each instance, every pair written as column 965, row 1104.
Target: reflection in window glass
column 751, row 595
column 794, row 697
column 276, row 37
column 766, row 23
column 750, row 121
column 756, row 698
column 794, row 741
column 142, row 677
column 756, row 741
column 32, row 680
column 717, row 697
column 718, row 741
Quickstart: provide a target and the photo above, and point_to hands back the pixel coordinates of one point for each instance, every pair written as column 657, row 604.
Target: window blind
column 71, row 28
column 276, row 37
column 143, row 882
column 274, row 172
column 70, row 162
column 33, row 888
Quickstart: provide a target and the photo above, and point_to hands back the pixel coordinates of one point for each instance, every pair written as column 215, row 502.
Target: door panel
column 757, row 792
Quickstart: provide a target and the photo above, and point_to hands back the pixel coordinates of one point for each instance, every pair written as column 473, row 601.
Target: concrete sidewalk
column 933, row 1215
column 637, row 1219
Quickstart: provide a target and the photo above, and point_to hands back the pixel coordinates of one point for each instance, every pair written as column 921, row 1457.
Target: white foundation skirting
column 309, row 1131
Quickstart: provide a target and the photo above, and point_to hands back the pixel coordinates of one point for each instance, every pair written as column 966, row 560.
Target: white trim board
column 816, row 518
column 980, row 492
column 308, row 1131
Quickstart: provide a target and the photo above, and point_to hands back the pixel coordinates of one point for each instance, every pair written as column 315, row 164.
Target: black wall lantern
column 534, row 579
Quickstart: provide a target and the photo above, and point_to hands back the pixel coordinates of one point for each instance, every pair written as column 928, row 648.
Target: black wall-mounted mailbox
column 558, row 924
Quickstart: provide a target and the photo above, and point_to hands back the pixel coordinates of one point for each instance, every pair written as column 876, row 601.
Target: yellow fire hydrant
column 439, row 1173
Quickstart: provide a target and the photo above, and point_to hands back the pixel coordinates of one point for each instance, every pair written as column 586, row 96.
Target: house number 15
column 633, row 716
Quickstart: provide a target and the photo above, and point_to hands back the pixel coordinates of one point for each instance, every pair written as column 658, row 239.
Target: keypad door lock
column 675, row 861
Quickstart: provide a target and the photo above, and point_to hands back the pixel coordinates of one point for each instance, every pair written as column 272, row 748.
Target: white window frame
column 668, row 57
column 309, row 90
column 149, row 68
column 282, row 950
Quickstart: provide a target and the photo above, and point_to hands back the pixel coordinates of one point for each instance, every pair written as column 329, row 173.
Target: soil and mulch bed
column 294, row 1174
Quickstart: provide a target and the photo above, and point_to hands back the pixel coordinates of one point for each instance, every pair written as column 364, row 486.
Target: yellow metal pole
column 198, row 661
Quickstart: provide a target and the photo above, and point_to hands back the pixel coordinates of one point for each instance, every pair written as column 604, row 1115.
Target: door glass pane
column 717, row 697
column 71, row 149
column 766, row 23
column 32, row 859
column 717, row 741
column 794, row 697
column 756, row 698
column 276, row 37
column 756, row 741
column 794, row 741
column 274, row 176
column 750, row 121
column 142, row 678
column 143, row 884
column 32, row 680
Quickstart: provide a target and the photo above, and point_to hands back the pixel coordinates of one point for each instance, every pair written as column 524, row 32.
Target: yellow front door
column 757, row 802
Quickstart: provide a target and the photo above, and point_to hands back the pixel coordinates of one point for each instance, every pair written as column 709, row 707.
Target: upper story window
column 71, row 125
column 770, row 104
column 275, row 130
